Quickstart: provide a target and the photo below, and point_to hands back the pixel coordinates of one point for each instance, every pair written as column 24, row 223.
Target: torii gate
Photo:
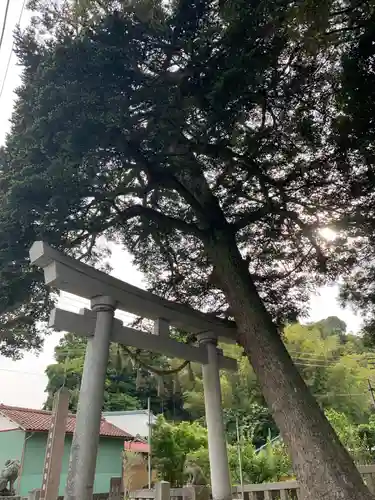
column 100, row 327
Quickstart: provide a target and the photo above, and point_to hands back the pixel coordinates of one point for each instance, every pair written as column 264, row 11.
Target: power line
column 44, row 375
column 79, row 373
column 11, row 51
column 328, row 360
column 311, row 364
column 4, row 23
column 309, row 355
column 320, row 356
column 35, row 374
column 314, row 360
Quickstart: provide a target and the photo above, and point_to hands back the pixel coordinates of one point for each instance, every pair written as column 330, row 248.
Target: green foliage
column 334, row 365
column 255, row 424
column 332, row 326
column 201, row 458
column 350, row 435
column 202, row 138
column 367, row 435
column 121, row 389
column 171, row 444
column 241, row 398
column 102, row 117
column 271, row 463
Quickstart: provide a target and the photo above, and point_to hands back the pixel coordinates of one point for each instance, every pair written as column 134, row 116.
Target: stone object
column 194, row 474
column 9, row 475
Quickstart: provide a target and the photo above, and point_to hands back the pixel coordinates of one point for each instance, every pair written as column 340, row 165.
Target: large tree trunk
column 323, row 466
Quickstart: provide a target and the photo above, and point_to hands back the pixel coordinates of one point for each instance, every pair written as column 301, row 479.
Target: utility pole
column 239, row 451
column 371, row 389
column 149, row 444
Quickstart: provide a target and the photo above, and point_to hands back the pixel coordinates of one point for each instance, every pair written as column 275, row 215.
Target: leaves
column 117, row 112
column 334, row 365
column 122, row 388
column 170, row 446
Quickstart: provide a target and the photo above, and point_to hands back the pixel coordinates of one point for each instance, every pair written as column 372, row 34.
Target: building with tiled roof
column 31, row 420
column 23, row 436
column 136, row 422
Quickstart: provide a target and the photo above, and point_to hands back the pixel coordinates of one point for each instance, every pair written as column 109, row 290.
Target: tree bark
column 323, row 466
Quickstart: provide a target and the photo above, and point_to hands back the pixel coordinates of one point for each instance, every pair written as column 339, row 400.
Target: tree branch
column 251, row 217
column 307, row 232
column 163, row 221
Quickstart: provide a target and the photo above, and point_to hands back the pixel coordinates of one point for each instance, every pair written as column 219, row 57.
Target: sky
column 22, row 383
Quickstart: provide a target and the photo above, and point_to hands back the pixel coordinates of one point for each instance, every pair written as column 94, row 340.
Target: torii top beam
column 70, row 275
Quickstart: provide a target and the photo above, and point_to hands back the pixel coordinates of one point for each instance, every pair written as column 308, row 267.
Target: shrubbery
column 173, row 444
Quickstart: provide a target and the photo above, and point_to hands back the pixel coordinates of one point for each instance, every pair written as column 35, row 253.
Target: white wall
column 133, row 423
column 6, row 424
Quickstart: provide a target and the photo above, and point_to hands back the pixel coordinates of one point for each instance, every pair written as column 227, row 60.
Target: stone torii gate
column 100, row 327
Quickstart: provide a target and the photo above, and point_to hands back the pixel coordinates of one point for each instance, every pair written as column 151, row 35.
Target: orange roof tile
column 136, row 446
column 40, row 421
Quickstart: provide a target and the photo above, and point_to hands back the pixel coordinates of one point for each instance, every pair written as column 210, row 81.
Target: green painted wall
column 108, row 463
column 11, row 446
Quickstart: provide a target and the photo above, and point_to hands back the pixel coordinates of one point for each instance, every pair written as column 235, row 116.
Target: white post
column 82, row 464
column 217, row 448
column 149, row 471
column 162, row 491
column 240, row 457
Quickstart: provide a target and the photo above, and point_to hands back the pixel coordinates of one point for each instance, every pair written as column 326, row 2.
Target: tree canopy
column 207, row 138
column 256, row 139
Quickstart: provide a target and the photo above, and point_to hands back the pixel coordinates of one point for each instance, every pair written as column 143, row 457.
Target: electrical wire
column 35, row 374
column 4, row 23
column 311, row 354
column 331, row 393
column 11, row 52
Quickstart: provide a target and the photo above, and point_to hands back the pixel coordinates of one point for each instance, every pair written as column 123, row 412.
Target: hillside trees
column 151, row 130
column 127, row 387
column 335, row 369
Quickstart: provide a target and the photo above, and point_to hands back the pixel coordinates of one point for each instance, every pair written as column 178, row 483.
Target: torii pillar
column 217, row 447
column 84, row 449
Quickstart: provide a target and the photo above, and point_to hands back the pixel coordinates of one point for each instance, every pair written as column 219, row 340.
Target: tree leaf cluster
column 172, row 101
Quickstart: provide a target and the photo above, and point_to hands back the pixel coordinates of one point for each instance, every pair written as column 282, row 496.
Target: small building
column 23, row 436
column 136, row 422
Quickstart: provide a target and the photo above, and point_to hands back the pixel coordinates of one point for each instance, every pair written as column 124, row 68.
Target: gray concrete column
column 82, row 464
column 217, row 446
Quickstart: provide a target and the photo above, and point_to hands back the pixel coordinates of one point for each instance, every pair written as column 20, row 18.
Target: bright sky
column 22, row 383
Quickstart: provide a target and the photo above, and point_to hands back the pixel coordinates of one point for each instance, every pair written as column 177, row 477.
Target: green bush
column 352, row 436
column 269, row 464
column 201, row 458
column 171, row 444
